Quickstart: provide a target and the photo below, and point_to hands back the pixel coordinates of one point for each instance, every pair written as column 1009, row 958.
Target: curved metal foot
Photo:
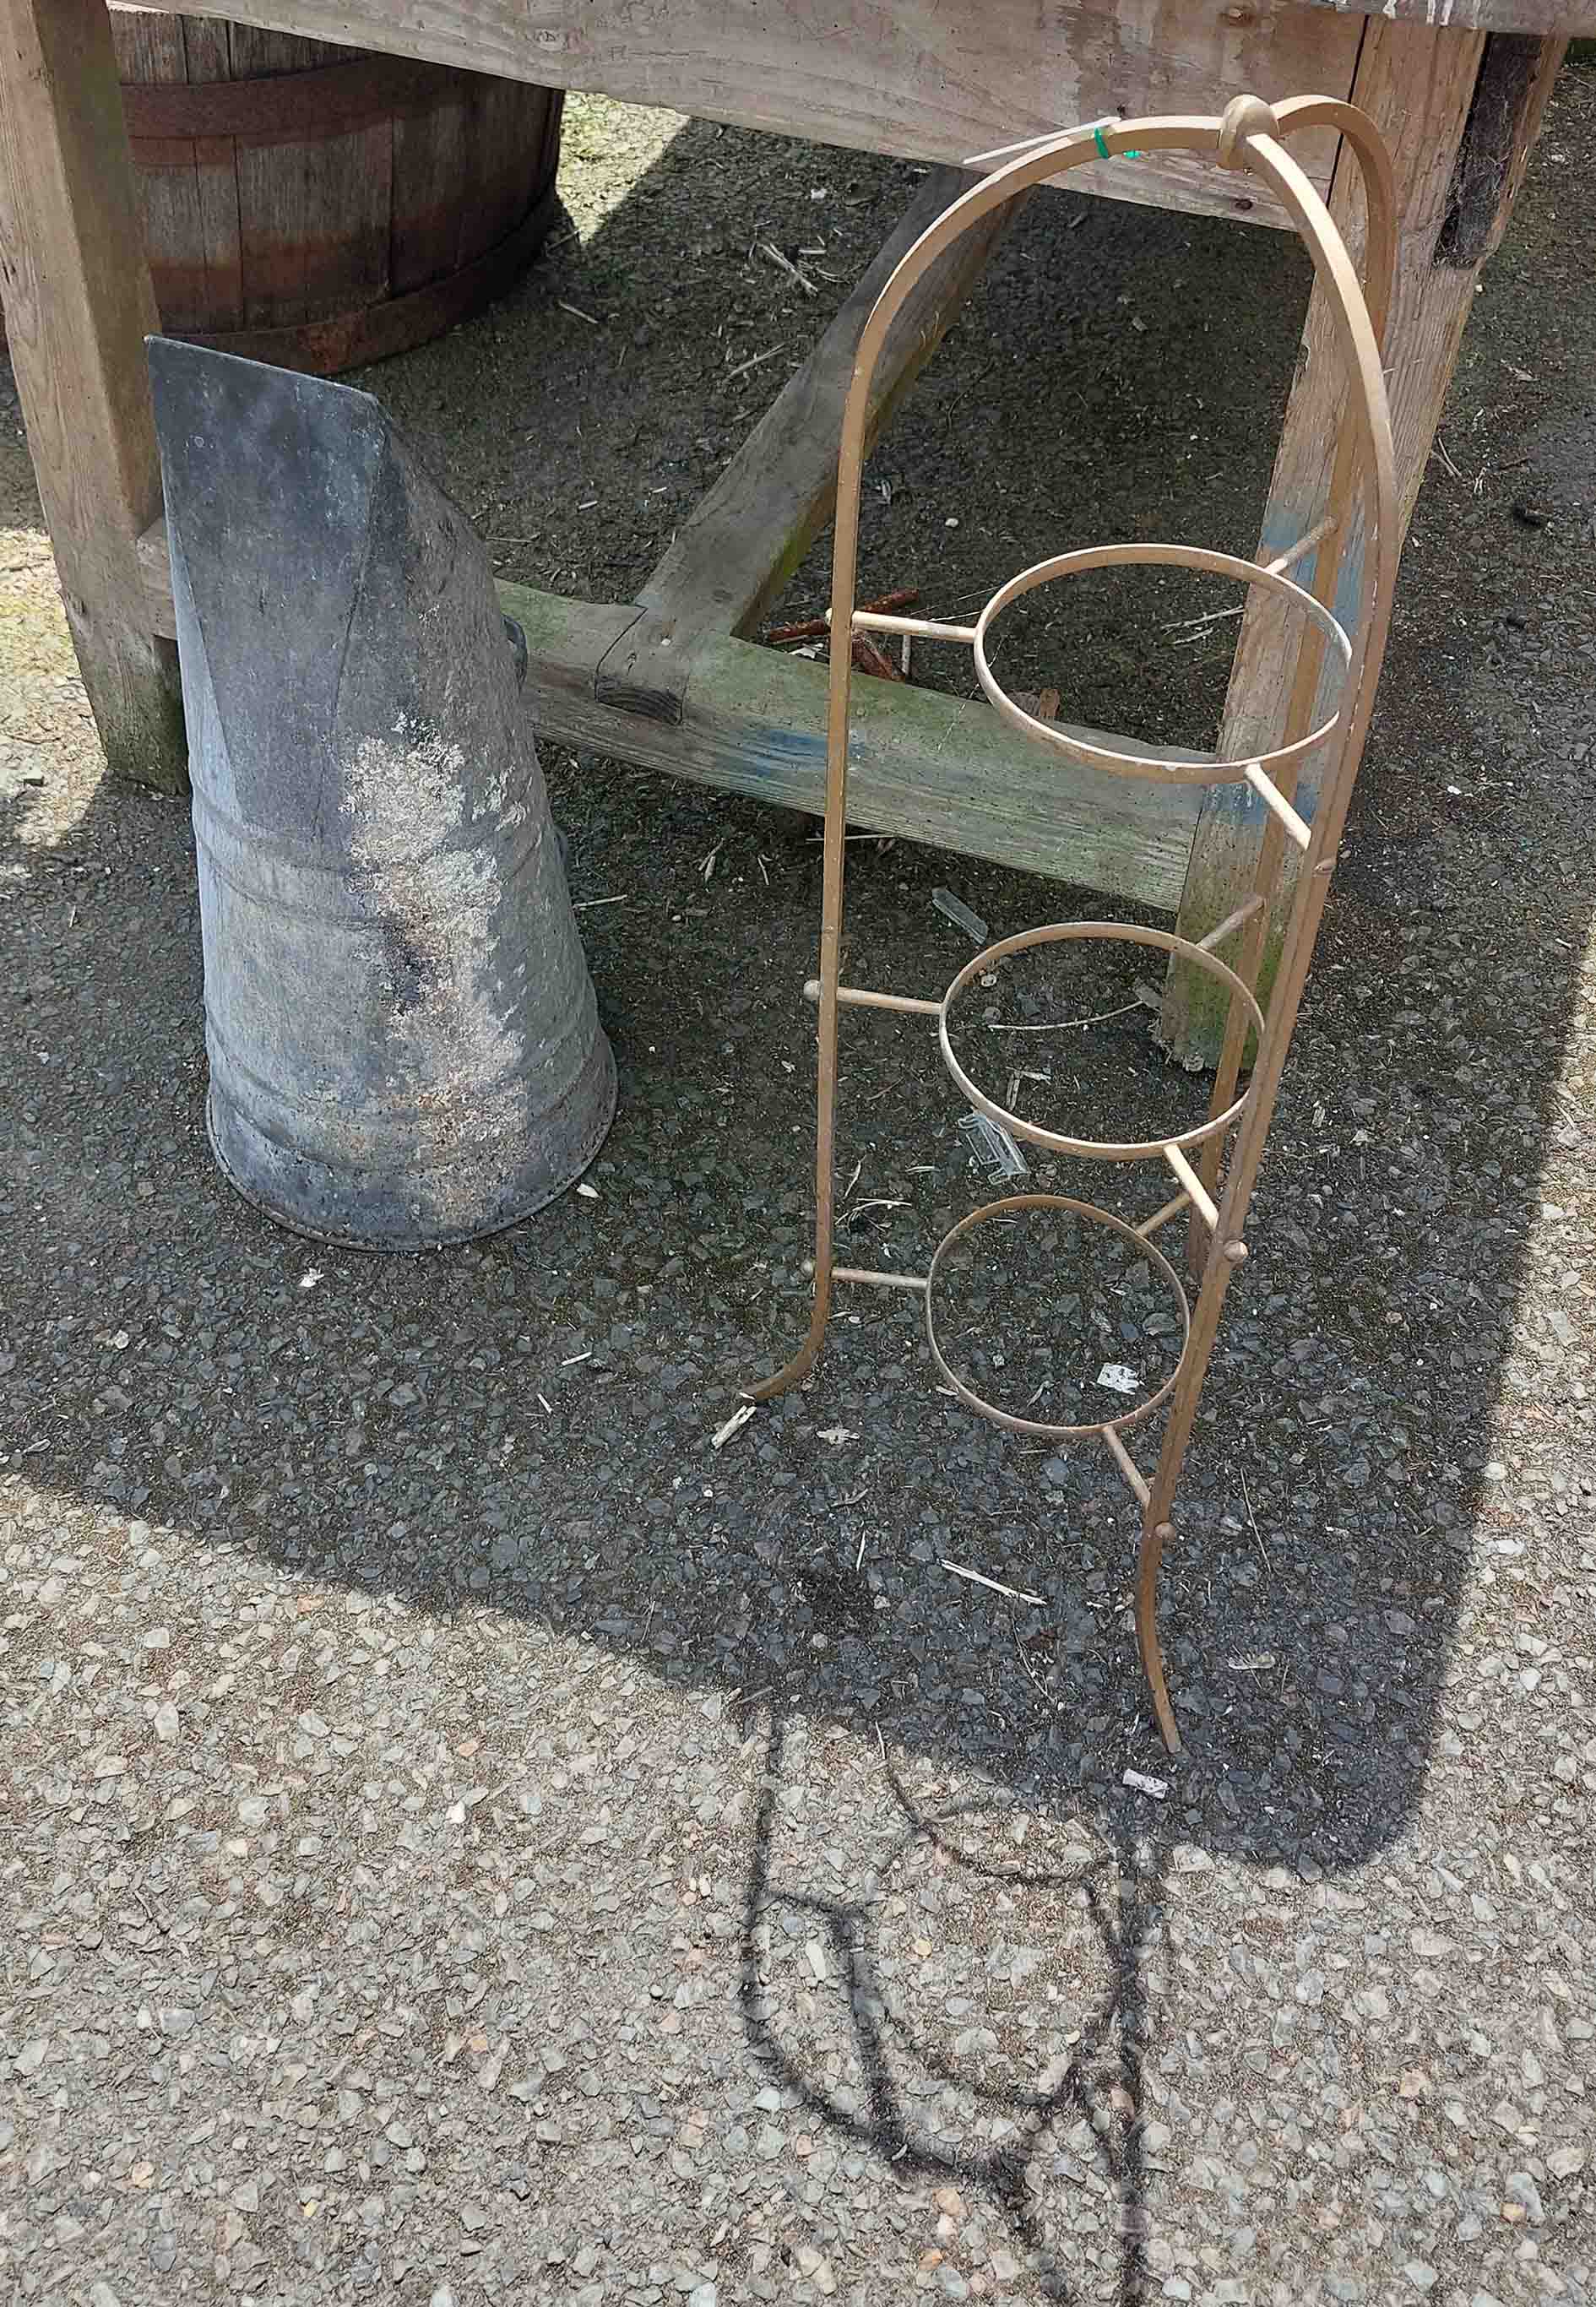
column 1155, row 1537
column 795, row 1372
column 792, row 1373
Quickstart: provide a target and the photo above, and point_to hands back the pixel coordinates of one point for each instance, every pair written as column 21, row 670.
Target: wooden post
column 78, row 308
column 1438, row 101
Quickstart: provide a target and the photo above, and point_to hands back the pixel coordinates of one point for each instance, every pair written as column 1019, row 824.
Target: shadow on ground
column 524, row 1426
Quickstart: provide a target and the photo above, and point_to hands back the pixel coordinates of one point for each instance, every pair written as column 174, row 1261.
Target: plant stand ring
column 1163, row 769
column 1091, row 1149
column 1041, row 1428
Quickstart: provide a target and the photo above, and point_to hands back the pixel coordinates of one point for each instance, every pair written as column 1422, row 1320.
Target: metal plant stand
column 1353, row 546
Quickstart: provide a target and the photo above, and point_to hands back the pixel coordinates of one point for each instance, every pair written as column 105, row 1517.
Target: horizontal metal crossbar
column 1270, row 794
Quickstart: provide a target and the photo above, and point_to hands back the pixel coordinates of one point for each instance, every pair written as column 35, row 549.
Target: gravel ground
column 463, row 1836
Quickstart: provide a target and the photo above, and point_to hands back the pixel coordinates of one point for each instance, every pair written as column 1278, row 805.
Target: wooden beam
column 78, row 308
column 934, row 768
column 930, row 79
column 930, row 768
column 1549, row 19
column 744, row 538
column 1418, row 86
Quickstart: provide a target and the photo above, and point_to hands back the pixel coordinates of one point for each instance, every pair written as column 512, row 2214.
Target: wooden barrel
column 318, row 206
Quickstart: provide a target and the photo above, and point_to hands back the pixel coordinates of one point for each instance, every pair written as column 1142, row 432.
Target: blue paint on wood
column 1237, row 804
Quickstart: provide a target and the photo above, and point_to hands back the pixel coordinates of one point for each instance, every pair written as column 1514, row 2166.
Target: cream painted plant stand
column 1250, row 140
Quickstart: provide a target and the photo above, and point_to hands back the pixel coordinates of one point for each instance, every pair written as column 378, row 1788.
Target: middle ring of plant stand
column 1093, row 1149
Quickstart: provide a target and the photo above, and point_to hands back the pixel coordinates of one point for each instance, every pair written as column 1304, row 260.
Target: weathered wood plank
column 745, row 536
column 349, row 177
column 931, row 80
column 152, row 50
column 270, row 44
column 1419, row 87
column 1549, row 19
column 148, row 46
column 216, row 177
column 78, row 306
column 928, row 768
column 1516, row 80
column 495, row 135
column 174, row 235
column 206, row 49
column 276, row 222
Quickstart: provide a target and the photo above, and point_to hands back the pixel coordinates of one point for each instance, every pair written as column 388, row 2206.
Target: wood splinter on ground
column 993, row 1585
column 734, row 1425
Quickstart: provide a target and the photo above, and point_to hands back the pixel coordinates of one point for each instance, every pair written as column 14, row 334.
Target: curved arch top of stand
column 1093, row 1149
column 1163, row 769
column 1245, row 138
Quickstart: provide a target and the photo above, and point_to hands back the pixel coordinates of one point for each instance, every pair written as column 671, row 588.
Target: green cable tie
column 1103, row 151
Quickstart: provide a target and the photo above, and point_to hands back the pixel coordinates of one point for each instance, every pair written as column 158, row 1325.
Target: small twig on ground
column 1511, row 465
column 734, row 1425
column 769, row 248
column 1253, row 1519
column 587, row 905
column 1063, row 1024
column 1445, row 454
column 1194, row 628
column 1041, row 1688
column 993, row 1585
column 815, row 628
column 1157, row 1787
column 869, row 659
column 742, row 367
column 859, row 1557
column 577, row 313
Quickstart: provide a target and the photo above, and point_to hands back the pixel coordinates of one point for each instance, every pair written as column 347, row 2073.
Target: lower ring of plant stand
column 1087, row 1210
